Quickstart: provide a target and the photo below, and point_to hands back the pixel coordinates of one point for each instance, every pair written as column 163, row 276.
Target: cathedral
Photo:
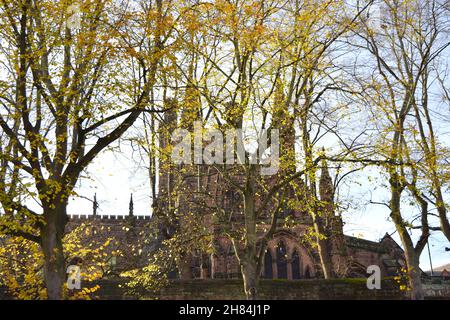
column 288, row 255
column 203, row 195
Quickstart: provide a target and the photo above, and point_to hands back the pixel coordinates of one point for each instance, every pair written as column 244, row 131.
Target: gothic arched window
column 295, row 265
column 281, row 261
column 196, row 265
column 268, row 270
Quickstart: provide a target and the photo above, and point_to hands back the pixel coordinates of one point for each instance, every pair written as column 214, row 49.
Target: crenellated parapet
column 118, row 217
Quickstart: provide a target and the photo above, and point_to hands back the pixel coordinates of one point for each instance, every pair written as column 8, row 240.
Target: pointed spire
column 94, row 205
column 326, row 183
column 325, row 174
column 131, row 206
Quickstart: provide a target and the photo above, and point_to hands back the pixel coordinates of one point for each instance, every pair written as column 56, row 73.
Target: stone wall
column 230, row 289
column 437, row 291
column 336, row 289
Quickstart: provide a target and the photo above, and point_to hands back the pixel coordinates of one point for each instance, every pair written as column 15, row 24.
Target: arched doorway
column 295, row 265
column 281, row 260
column 268, row 270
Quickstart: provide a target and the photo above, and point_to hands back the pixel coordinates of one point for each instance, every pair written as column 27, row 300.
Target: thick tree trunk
column 52, row 247
column 411, row 254
column 249, row 259
column 414, row 277
column 250, row 276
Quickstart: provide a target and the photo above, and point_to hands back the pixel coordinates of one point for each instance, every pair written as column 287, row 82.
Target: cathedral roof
column 364, row 244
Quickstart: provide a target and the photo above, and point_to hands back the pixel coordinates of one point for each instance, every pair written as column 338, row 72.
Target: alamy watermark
column 74, row 274
column 225, row 150
column 374, row 279
column 73, row 277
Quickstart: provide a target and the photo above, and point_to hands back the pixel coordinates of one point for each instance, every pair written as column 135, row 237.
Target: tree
column 401, row 52
column 66, row 98
column 22, row 263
